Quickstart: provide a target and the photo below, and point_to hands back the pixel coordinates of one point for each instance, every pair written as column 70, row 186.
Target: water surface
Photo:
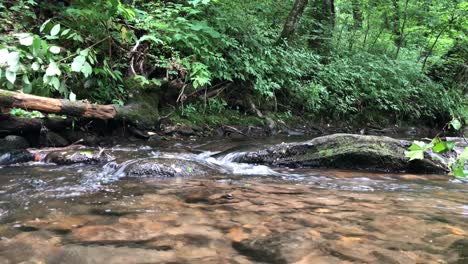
column 243, row 214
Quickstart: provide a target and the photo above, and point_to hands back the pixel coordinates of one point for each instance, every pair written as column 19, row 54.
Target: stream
column 242, row 214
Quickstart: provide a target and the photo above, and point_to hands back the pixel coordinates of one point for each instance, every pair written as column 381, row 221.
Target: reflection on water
column 243, row 214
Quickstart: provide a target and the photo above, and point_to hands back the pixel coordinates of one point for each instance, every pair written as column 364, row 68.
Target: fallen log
column 57, row 106
column 142, row 110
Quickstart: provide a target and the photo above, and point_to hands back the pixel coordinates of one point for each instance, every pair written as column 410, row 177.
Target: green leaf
column 65, row 32
column 464, row 155
column 44, row 25
column 86, row 69
column 439, row 147
column 55, row 82
column 4, row 56
column 54, row 49
column 455, row 124
column 27, row 87
column 36, row 46
column 26, row 79
column 152, row 38
column 442, row 147
column 55, row 30
column 10, row 76
column 13, row 60
column 84, row 52
column 78, row 63
column 53, row 69
column 25, row 39
column 458, row 169
column 35, row 66
column 72, row 97
column 419, row 145
column 415, row 154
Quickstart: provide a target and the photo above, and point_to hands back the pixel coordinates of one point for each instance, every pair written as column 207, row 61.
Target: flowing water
column 243, row 214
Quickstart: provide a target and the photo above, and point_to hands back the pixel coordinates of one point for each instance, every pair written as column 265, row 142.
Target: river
column 242, row 214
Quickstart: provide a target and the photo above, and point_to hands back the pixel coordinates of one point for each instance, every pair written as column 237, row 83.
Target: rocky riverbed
column 206, row 208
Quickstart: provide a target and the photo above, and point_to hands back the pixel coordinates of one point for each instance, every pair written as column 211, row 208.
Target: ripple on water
column 243, row 214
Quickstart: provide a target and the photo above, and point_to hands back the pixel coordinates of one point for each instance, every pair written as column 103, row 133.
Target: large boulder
column 345, row 151
column 163, row 168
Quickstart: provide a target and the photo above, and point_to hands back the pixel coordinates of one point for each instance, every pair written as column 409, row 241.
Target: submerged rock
column 166, row 168
column 345, row 151
column 288, row 247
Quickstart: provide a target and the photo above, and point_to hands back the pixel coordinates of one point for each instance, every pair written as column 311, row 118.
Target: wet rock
column 461, row 247
column 88, row 139
column 116, row 234
column 346, row 151
column 27, row 248
column 52, row 139
column 13, row 142
column 155, row 138
column 76, row 254
column 179, row 129
column 86, row 156
column 166, row 168
column 17, row 156
column 278, row 248
column 59, row 223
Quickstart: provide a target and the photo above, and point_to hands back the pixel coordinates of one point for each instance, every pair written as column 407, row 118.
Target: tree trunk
column 357, row 14
column 293, row 19
column 142, row 111
column 396, row 23
column 401, row 38
column 444, row 29
column 322, row 31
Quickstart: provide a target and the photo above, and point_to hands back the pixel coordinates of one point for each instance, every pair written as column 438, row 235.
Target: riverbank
column 60, row 131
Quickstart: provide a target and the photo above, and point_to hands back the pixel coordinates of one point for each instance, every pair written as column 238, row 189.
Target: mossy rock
column 142, row 110
column 345, row 151
column 166, row 168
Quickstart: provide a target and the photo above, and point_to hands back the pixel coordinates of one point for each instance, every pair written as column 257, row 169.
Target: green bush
column 365, row 86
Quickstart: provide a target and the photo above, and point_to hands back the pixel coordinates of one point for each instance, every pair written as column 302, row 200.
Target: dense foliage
column 356, row 60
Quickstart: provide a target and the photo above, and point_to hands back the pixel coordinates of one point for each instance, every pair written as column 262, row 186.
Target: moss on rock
column 345, row 151
column 166, row 168
column 142, row 110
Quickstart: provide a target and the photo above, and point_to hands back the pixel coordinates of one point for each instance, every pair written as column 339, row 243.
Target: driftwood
column 142, row 111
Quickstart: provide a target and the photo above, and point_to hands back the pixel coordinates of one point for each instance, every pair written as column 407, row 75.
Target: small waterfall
column 228, row 162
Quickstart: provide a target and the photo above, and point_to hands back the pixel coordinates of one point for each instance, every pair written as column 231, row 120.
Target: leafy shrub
column 63, row 60
column 366, row 86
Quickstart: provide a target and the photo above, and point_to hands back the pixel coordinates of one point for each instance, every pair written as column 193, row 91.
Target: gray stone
column 345, row 151
column 166, row 168
column 52, row 139
column 85, row 156
column 13, row 143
